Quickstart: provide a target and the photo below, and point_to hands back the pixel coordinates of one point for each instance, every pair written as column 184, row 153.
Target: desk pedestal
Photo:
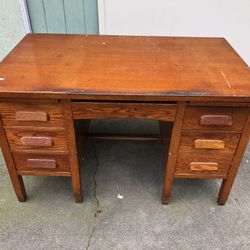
column 199, row 140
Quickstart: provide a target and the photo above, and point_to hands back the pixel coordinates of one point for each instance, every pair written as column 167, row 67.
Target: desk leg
column 172, row 153
column 228, row 182
column 72, row 147
column 165, row 134
column 17, row 180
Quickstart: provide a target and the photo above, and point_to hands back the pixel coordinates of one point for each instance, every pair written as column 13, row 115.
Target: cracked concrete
column 98, row 211
column 51, row 220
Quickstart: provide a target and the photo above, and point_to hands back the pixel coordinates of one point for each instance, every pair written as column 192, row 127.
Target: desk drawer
column 215, row 118
column 209, row 143
column 85, row 110
column 201, row 166
column 41, row 162
column 31, row 114
column 28, row 138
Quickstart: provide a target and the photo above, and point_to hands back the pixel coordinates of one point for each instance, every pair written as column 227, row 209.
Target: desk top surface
column 124, row 68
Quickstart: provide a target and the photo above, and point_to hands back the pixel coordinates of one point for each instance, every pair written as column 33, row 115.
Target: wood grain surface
column 204, row 166
column 28, row 138
column 31, row 113
column 216, row 120
column 209, row 143
column 41, row 162
column 73, row 153
column 37, row 141
column 34, row 116
column 193, row 115
column 186, row 160
column 229, row 181
column 172, row 151
column 161, row 112
column 124, row 67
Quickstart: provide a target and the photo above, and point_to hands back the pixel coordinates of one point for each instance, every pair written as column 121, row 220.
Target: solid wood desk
column 198, row 88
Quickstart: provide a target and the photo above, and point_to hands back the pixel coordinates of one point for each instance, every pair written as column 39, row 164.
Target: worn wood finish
column 216, row 120
column 196, row 175
column 209, row 144
column 30, row 113
column 124, row 67
column 17, row 181
column 165, row 135
column 41, row 162
column 72, row 146
column 43, row 173
column 25, row 116
column 36, row 141
column 186, row 160
column 172, row 154
column 48, row 83
column 81, row 131
column 33, row 138
column 85, row 110
column 204, row 166
column 193, row 116
column 228, row 182
column 220, row 104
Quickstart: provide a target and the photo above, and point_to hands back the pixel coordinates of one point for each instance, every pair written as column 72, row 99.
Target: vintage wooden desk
column 197, row 88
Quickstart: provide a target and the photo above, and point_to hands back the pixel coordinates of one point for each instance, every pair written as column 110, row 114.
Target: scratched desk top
column 124, row 68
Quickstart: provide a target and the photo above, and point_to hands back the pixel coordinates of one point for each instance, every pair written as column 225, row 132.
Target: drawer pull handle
column 36, row 141
column 209, row 144
column 32, row 116
column 201, row 166
column 216, row 120
column 41, row 163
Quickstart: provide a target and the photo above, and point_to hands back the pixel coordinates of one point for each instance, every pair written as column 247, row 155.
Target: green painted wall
column 64, row 16
column 68, row 16
column 11, row 26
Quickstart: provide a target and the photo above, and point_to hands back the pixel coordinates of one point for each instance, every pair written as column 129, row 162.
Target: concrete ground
column 133, row 170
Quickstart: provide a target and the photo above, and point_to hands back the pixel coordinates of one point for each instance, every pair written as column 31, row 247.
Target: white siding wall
column 223, row 18
column 11, row 26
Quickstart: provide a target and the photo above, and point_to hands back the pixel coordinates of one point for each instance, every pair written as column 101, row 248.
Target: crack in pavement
column 97, row 210
column 90, row 237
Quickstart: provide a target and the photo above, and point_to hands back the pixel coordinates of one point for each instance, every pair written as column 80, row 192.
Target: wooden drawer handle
column 216, row 120
column 209, row 144
column 32, row 116
column 200, row 166
column 41, row 163
column 36, row 141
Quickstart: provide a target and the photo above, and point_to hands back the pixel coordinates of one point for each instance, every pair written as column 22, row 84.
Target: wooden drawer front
column 41, row 162
column 209, row 143
column 201, row 165
column 31, row 114
column 215, row 118
column 84, row 110
column 36, row 138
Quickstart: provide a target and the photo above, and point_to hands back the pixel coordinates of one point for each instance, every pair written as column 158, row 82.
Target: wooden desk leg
column 172, row 154
column 227, row 184
column 17, row 181
column 165, row 134
column 72, row 147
